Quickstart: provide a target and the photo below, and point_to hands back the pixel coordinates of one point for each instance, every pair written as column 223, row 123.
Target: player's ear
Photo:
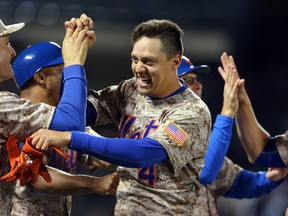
column 176, row 61
column 40, row 78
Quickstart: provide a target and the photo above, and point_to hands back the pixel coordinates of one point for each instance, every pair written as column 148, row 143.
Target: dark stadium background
column 254, row 32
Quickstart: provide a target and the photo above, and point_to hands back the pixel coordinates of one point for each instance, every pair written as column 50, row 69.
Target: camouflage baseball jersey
column 181, row 123
column 20, row 118
column 207, row 201
column 282, row 146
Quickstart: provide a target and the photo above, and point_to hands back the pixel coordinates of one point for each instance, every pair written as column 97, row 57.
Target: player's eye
column 134, row 60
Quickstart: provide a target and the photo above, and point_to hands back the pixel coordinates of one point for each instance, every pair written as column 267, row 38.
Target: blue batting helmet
column 186, row 66
column 34, row 58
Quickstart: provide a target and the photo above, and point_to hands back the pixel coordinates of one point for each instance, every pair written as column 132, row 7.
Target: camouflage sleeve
column 226, row 177
column 184, row 134
column 282, row 146
column 21, row 118
column 108, row 102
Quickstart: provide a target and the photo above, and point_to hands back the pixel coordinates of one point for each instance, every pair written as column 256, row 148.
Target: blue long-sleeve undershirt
column 126, row 152
column 270, row 156
column 251, row 184
column 70, row 114
column 217, row 148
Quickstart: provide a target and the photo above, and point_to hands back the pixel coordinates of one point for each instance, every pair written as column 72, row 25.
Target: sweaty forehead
column 147, row 47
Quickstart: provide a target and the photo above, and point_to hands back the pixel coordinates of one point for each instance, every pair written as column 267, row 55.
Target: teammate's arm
column 65, row 184
column 217, row 148
column 222, row 129
column 254, row 184
column 120, row 151
column 70, row 113
column 253, row 137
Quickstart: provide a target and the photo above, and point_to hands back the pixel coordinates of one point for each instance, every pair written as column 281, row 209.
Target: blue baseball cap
column 186, row 66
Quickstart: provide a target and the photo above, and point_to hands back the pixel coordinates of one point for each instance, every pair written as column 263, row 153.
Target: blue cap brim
column 200, row 71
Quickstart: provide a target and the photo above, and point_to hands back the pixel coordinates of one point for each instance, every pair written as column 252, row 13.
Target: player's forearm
column 251, row 184
column 253, row 137
column 126, row 152
column 70, row 113
column 217, row 148
column 64, row 184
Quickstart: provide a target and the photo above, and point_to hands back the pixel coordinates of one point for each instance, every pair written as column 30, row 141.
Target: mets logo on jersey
column 176, row 133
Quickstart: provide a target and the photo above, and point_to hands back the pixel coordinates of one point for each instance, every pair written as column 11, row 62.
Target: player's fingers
column 45, row 145
column 231, row 60
column 39, row 143
column 225, row 61
column 78, row 27
column 241, row 83
column 34, row 134
column 84, row 19
column 87, row 21
column 83, row 34
column 272, row 173
column 222, row 73
column 235, row 88
column 69, row 32
column 91, row 34
column 79, row 24
column 70, row 23
column 35, row 139
column 228, row 74
column 40, row 139
column 234, row 76
column 91, row 24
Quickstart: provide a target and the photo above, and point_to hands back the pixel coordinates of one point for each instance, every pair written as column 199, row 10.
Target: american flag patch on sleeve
column 176, row 133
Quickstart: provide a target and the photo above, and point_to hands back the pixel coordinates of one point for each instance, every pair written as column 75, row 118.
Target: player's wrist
column 228, row 112
column 67, row 138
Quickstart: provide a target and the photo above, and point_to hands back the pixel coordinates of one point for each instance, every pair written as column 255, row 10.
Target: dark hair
column 167, row 31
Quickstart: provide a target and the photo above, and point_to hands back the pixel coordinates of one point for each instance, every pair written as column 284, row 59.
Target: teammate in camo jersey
column 20, row 117
column 220, row 176
column 163, row 128
column 27, row 72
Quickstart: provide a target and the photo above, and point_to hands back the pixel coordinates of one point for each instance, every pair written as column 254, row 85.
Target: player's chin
column 7, row 74
column 143, row 91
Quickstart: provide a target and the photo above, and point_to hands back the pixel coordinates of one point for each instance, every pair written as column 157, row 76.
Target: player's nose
column 139, row 67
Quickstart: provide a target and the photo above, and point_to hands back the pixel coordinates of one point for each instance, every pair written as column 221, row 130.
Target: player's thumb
column 272, row 173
